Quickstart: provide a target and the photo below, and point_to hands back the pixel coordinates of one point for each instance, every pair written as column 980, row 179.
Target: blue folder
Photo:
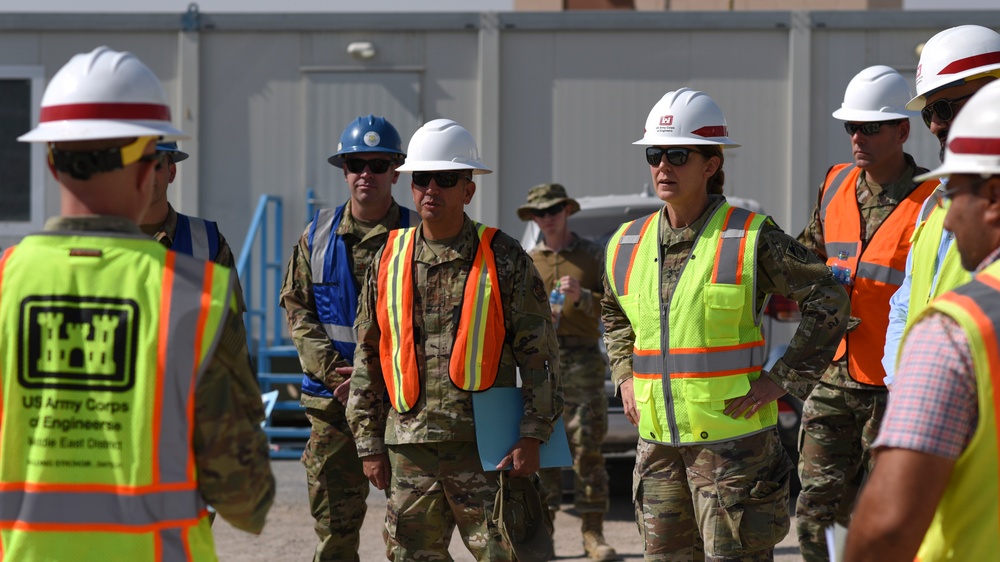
column 498, row 413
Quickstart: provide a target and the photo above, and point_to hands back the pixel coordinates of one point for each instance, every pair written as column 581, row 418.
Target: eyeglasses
column 942, row 197
column 553, row 210
column 161, row 159
column 867, row 129
column 442, row 179
column 358, row 165
column 944, row 109
column 676, row 156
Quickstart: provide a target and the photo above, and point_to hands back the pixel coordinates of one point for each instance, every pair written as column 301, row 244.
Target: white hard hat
column 686, row 116
column 103, row 94
column 442, row 144
column 954, row 56
column 877, row 93
column 973, row 145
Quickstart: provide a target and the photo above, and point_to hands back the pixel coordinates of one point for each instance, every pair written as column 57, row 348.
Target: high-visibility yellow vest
column 924, row 251
column 877, row 271
column 966, row 524
column 104, row 341
column 475, row 355
column 710, row 328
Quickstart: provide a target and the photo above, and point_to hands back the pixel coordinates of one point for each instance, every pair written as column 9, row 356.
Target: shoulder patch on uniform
column 538, row 289
column 798, row 252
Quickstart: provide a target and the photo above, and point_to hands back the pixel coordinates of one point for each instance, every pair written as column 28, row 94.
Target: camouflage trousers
column 337, row 484
column 436, row 487
column 839, row 426
column 586, row 419
column 723, row 502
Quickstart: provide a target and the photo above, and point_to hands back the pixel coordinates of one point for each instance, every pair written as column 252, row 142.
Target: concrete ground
column 289, row 536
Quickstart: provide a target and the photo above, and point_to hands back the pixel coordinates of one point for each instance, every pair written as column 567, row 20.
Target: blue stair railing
column 263, row 313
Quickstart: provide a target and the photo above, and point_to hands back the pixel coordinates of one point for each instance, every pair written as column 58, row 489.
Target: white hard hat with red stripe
column 955, row 56
column 103, row 94
column 686, row 117
column 974, row 137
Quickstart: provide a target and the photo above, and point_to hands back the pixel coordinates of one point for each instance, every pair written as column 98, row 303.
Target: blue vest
column 334, row 288
column 196, row 237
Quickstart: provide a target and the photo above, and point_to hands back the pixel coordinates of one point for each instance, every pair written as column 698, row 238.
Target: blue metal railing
column 263, row 312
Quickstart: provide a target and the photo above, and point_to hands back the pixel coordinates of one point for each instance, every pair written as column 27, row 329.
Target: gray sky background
column 292, row 6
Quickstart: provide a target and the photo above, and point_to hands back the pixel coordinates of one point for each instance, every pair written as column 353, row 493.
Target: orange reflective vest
column 475, row 355
column 877, row 270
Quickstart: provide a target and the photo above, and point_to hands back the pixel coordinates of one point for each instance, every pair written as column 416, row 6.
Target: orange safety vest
column 877, row 269
column 475, row 355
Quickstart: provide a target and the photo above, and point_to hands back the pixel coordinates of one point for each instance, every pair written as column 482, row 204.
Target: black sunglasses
column 677, row 155
column 442, row 179
column 867, row 129
column 161, row 159
column 944, row 109
column 376, row 165
column 553, row 210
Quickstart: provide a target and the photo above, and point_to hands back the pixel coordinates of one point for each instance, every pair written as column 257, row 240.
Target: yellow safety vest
column 105, row 340
column 926, row 241
column 966, row 524
column 710, row 328
column 475, row 355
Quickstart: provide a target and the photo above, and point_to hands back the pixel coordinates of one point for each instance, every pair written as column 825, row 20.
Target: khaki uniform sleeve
column 812, row 236
column 618, row 336
column 366, row 411
column 230, row 447
column 226, row 258
column 316, row 352
column 788, row 268
column 533, row 340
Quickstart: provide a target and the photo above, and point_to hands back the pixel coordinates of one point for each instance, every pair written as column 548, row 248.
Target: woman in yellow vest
column 685, row 290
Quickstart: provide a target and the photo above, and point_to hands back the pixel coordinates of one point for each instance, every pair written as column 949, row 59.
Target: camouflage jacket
column 443, row 412
column 230, row 448
column 582, row 260
column 166, row 233
column 784, row 267
column 875, row 202
column 316, row 353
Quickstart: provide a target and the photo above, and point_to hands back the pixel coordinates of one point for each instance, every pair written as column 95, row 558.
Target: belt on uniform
column 575, row 341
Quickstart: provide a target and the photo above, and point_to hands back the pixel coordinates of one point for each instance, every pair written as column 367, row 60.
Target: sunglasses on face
column 376, row 165
column 442, row 179
column 867, row 129
column 553, row 210
column 944, row 109
column 161, row 159
column 676, row 156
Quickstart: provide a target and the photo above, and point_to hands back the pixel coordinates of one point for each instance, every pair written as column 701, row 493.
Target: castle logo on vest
column 78, row 343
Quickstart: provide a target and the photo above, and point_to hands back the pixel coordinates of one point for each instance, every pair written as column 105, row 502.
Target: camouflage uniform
column 230, row 448
column 165, row 235
column 337, row 484
column 437, row 480
column 841, row 416
column 677, row 508
column 583, row 368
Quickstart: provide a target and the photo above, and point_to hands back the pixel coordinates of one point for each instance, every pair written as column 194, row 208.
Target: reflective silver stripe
column 321, row 242
column 173, row 546
column 984, row 296
column 185, row 307
column 337, row 332
column 199, row 239
column 98, row 507
column 628, row 244
column 929, row 205
column 882, row 273
column 730, row 256
column 709, row 362
column 832, row 191
column 833, row 249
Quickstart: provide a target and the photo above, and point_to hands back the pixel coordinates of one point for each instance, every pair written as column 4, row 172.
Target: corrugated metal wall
column 556, row 96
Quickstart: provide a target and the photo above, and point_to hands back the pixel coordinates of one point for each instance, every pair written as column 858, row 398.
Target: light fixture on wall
column 361, row 49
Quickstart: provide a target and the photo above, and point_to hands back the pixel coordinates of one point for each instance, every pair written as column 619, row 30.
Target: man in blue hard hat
column 184, row 233
column 320, row 296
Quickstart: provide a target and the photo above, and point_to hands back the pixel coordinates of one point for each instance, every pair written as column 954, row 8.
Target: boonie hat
column 543, row 196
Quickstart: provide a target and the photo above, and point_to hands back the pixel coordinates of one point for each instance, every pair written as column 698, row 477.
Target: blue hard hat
column 368, row 134
column 171, row 148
